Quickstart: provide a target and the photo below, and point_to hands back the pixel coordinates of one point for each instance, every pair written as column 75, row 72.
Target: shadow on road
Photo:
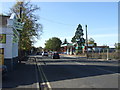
column 24, row 74
column 66, row 72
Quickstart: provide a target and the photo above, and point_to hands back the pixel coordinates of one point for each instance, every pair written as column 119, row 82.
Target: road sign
column 15, row 38
column 16, row 33
column 18, row 24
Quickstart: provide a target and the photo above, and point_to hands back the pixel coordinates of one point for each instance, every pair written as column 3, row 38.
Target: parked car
column 45, row 54
column 39, row 53
column 3, row 70
column 56, row 55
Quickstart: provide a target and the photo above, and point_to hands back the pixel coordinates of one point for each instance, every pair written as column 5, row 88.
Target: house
column 68, row 48
column 71, row 48
column 95, row 48
column 8, row 42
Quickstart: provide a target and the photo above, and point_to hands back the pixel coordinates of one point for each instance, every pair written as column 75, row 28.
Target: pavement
column 23, row 76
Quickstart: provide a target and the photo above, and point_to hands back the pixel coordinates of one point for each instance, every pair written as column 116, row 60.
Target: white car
column 44, row 54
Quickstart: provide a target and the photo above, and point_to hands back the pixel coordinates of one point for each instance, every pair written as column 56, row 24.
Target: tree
column 65, row 41
column 91, row 41
column 53, row 44
column 31, row 28
column 117, row 46
column 78, row 38
column 39, row 49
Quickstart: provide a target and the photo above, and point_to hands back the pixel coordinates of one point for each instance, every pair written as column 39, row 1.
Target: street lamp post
column 86, row 43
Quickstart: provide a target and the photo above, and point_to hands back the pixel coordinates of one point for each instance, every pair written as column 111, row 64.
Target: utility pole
column 20, row 34
column 86, row 43
column 107, row 53
column 20, row 10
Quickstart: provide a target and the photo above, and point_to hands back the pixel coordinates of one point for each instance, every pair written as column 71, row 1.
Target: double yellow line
column 44, row 85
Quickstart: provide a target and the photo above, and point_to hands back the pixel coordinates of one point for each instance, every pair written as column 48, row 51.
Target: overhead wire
column 52, row 21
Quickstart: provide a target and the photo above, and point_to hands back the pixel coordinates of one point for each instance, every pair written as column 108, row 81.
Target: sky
column 60, row 19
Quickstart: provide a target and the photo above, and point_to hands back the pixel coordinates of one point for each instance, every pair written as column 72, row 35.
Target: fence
column 105, row 55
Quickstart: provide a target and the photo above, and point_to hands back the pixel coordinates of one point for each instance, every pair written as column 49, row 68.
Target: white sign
column 18, row 25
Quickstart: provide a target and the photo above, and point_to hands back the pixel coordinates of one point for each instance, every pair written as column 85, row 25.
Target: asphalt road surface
column 41, row 73
column 77, row 73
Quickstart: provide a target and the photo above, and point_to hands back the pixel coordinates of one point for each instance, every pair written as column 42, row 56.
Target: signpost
column 18, row 25
column 15, row 22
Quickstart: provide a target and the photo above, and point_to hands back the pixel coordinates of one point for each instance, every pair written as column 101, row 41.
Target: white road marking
column 80, row 63
column 96, row 68
column 105, row 70
column 38, row 86
column 49, row 86
column 37, row 78
column 46, row 85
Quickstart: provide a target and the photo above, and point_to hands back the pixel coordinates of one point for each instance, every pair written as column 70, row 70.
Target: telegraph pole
column 20, row 10
column 86, row 43
column 107, row 53
column 20, row 34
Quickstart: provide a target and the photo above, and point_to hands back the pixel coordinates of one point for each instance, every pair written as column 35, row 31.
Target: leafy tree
column 91, row 41
column 78, row 38
column 73, row 39
column 31, row 28
column 65, row 41
column 53, row 44
column 39, row 49
column 117, row 46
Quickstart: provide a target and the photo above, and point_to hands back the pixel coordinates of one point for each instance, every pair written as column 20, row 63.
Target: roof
column 98, row 46
column 69, row 44
column 1, row 15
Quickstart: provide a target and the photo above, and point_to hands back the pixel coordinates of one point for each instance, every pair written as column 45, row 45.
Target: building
column 93, row 48
column 68, row 48
column 71, row 48
column 8, row 42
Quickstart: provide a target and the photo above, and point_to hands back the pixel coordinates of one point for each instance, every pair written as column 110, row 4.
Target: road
column 41, row 73
column 77, row 73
